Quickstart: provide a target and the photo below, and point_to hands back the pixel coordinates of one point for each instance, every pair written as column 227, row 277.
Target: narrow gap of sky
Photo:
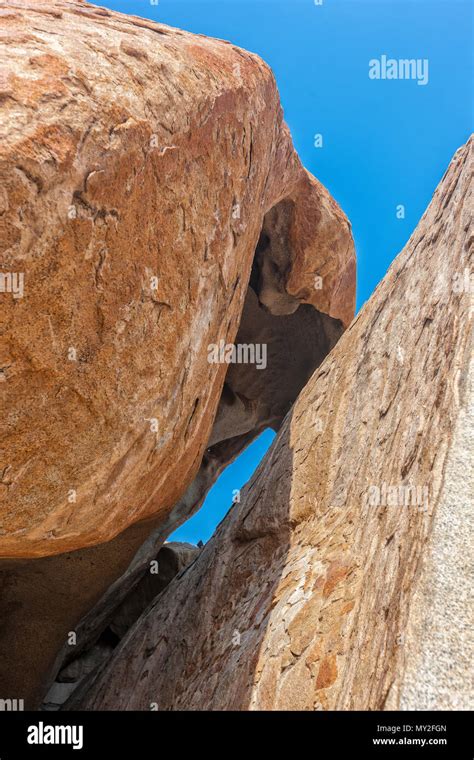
column 386, row 143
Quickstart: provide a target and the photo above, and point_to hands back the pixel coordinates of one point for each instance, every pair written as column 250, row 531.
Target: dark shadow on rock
column 165, row 662
column 42, row 600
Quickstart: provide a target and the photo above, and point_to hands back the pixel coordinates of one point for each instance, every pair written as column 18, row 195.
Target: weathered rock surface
column 140, row 165
column 341, row 581
column 152, row 200
column 171, row 559
column 169, row 562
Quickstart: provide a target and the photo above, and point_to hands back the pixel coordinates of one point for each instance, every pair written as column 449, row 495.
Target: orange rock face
column 340, row 581
column 139, row 165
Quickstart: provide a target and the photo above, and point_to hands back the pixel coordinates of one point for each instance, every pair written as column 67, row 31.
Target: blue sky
column 386, row 143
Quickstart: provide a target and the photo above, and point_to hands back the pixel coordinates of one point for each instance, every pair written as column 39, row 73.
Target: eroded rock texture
column 341, row 580
column 152, row 201
column 138, row 164
column 77, row 665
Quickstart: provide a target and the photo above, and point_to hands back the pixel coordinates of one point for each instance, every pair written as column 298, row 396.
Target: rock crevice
column 139, row 166
column 329, row 586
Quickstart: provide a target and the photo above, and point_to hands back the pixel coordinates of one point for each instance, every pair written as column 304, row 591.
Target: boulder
column 139, row 167
column 151, row 206
column 340, row 582
column 172, row 558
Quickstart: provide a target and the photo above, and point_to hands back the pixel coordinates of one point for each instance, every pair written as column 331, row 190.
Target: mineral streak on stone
column 140, row 167
column 332, row 585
